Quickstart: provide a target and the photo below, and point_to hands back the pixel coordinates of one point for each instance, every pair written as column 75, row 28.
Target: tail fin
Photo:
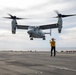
column 48, row 33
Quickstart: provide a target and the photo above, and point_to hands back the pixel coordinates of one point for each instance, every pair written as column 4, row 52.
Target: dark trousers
column 53, row 49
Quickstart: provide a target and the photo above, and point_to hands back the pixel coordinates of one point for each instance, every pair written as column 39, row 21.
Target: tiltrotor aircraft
column 36, row 31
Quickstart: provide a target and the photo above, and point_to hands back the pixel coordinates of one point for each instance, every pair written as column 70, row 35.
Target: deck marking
column 59, row 67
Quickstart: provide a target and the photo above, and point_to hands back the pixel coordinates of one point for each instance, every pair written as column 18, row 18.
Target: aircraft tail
column 48, row 32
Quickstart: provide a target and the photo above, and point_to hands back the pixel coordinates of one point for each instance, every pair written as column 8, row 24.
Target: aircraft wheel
column 30, row 35
column 43, row 38
column 31, row 38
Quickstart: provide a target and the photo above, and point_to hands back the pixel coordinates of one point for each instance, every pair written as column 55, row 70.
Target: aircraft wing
column 48, row 26
column 22, row 27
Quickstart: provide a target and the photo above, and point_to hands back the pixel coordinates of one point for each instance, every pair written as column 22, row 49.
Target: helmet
column 52, row 39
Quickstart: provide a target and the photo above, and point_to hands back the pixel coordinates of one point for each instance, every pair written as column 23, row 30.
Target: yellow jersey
column 52, row 43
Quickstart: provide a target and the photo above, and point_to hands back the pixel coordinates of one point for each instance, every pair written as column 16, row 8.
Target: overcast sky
column 39, row 12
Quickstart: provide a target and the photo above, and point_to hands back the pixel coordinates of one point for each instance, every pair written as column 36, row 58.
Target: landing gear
column 44, row 38
column 30, row 35
column 31, row 38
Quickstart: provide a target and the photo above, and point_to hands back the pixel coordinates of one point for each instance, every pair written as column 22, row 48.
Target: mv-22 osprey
column 36, row 31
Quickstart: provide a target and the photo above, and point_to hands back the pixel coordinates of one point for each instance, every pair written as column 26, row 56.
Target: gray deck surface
column 37, row 63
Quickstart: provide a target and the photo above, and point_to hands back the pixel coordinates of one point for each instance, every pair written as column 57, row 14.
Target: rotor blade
column 57, row 12
column 61, row 15
column 14, row 17
column 8, row 17
column 68, row 15
column 55, row 17
column 19, row 18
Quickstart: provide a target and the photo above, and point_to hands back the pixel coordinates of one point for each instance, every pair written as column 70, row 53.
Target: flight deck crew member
column 53, row 45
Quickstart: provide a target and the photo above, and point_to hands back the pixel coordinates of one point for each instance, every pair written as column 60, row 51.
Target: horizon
column 43, row 49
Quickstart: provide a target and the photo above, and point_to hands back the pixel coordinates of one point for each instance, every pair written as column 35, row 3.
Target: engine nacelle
column 14, row 24
column 59, row 30
column 59, row 24
column 13, row 29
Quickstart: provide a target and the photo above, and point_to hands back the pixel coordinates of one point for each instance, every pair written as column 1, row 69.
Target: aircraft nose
column 29, row 32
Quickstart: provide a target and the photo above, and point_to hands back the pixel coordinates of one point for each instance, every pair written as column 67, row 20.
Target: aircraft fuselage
column 36, row 33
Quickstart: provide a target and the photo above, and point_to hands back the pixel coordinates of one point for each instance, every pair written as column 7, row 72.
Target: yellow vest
column 52, row 43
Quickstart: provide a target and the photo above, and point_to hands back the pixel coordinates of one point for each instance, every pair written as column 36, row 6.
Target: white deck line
column 64, row 68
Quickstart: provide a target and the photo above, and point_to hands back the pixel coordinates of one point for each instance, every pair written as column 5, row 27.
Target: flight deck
column 37, row 63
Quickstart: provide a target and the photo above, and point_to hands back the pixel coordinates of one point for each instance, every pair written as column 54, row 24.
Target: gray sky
column 40, row 12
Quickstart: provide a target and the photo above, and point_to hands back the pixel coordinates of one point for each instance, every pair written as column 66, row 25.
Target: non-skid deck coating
column 37, row 63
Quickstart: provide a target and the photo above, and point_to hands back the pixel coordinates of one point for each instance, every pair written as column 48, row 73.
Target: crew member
column 53, row 46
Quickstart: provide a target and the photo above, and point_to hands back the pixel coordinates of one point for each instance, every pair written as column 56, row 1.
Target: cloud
column 39, row 12
column 68, row 39
column 21, row 3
